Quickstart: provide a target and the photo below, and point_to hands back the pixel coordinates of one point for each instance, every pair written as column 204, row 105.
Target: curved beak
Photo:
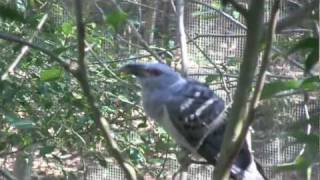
column 135, row 69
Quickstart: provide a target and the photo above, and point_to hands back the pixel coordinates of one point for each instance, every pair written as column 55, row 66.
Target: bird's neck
column 153, row 100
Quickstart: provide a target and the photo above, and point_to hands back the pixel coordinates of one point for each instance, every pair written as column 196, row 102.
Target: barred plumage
column 191, row 113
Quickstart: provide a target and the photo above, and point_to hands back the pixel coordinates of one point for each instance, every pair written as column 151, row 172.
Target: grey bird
column 191, row 113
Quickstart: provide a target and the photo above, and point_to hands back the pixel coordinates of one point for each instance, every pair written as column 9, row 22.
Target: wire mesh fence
column 222, row 37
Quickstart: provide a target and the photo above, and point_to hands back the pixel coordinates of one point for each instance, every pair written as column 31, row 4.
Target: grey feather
column 191, row 113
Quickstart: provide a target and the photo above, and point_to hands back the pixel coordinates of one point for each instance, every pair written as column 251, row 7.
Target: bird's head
column 152, row 76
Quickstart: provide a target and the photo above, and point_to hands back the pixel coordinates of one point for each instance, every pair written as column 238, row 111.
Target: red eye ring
column 154, row 72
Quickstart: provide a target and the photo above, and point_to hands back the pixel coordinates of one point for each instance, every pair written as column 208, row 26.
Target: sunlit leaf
column 51, row 74
column 311, row 83
column 67, row 28
column 116, row 18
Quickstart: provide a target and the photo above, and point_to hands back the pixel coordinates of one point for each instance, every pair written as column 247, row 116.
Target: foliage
column 308, row 47
column 43, row 106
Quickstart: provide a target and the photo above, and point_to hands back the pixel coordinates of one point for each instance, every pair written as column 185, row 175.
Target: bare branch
column 182, row 36
column 265, row 59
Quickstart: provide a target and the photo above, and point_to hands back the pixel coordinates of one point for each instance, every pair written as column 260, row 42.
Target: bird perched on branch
column 191, row 113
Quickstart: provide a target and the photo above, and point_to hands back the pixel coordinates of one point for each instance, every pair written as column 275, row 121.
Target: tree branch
column 265, row 59
column 10, row 37
column 182, row 36
column 24, row 49
column 239, row 110
column 97, row 116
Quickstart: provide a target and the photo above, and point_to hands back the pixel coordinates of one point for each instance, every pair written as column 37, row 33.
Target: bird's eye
column 154, row 72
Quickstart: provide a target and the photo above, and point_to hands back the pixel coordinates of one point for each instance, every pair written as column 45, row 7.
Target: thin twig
column 24, row 49
column 164, row 161
column 10, row 37
column 222, row 77
column 138, row 35
column 229, row 17
column 221, row 35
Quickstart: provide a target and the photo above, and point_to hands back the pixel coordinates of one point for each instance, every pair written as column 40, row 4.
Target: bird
column 191, row 113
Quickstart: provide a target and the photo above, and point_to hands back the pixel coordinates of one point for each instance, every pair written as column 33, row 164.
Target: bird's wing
column 198, row 116
column 195, row 110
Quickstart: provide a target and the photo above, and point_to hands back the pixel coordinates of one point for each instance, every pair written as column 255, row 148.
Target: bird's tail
column 253, row 172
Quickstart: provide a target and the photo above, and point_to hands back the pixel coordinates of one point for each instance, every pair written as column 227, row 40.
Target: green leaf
column 311, row 84
column 102, row 162
column 51, row 74
column 142, row 125
column 312, row 44
column 273, row 88
column 46, row 150
column 211, row 78
column 124, row 99
column 312, row 59
column 300, row 163
column 307, row 43
column 116, row 18
column 313, row 121
column 136, row 155
column 6, row 12
column 60, row 50
column 302, row 137
column 67, row 28
column 17, row 122
column 107, row 109
column 3, row 145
